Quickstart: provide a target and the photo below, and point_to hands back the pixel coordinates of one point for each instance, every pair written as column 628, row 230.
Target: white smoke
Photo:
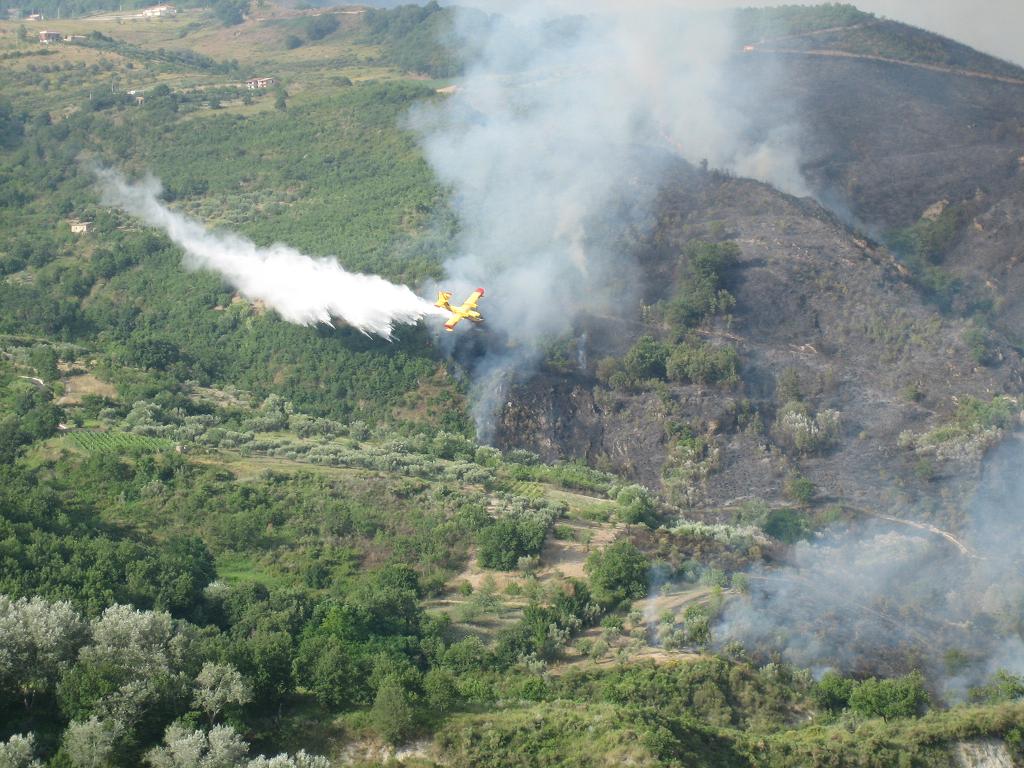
column 552, row 145
column 302, row 289
column 877, row 596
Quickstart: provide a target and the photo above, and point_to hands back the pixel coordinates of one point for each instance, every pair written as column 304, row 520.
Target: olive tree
column 91, row 744
column 222, row 747
column 217, row 686
column 19, row 752
column 38, row 640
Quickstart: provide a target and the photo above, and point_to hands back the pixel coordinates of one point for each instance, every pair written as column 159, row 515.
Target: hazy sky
column 992, row 26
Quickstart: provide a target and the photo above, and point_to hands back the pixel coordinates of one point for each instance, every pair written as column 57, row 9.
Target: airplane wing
column 474, row 297
column 450, row 325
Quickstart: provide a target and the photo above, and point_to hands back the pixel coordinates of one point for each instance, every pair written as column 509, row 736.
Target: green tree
column 701, row 291
column 222, row 747
column 265, row 658
column 392, row 713
column 92, row 743
column 502, row 544
column 44, row 360
column 1002, row 687
column 12, row 126
column 12, row 438
column 890, row 698
column 319, row 27
column 832, row 692
column 230, row 12
column 40, row 640
column 617, row 573
column 325, row 664
column 441, row 689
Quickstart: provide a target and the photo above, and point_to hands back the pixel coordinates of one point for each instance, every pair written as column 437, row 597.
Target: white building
column 156, row 11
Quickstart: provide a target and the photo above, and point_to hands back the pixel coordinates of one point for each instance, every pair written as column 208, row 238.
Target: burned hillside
column 829, row 336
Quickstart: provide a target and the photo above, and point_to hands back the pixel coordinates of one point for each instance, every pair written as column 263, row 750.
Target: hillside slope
column 814, row 304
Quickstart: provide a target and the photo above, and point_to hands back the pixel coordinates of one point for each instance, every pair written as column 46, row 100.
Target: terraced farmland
column 95, row 441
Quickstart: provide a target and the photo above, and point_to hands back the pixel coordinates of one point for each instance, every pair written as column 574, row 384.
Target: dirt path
column 35, row 380
column 886, row 60
column 813, row 32
column 965, row 550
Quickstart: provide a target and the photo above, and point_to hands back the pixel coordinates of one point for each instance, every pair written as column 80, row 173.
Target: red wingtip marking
column 480, row 291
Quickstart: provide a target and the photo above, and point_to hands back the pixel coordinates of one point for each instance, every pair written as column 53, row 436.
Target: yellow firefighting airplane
column 467, row 311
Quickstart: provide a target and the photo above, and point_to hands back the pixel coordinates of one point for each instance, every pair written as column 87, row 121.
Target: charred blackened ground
column 885, row 133
column 818, row 308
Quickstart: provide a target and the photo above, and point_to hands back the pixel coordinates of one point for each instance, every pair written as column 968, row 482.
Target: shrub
column 635, row 505
column 646, row 360
column 700, row 292
column 801, row 431
column 799, row 488
column 786, row 525
column 740, row 582
column 999, row 412
column 787, row 387
column 703, row 364
column 924, row 470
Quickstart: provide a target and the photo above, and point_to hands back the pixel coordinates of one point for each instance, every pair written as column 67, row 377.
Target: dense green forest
column 227, row 540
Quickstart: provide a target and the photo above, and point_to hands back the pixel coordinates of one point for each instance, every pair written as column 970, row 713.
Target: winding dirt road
column 747, row 50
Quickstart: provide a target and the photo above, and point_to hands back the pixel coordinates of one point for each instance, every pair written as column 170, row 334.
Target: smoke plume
column 884, row 596
column 543, row 145
column 302, row 289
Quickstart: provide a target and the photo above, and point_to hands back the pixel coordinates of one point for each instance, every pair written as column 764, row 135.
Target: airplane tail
column 442, row 300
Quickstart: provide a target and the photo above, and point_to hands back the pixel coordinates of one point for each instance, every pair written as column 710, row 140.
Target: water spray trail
column 302, row 289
